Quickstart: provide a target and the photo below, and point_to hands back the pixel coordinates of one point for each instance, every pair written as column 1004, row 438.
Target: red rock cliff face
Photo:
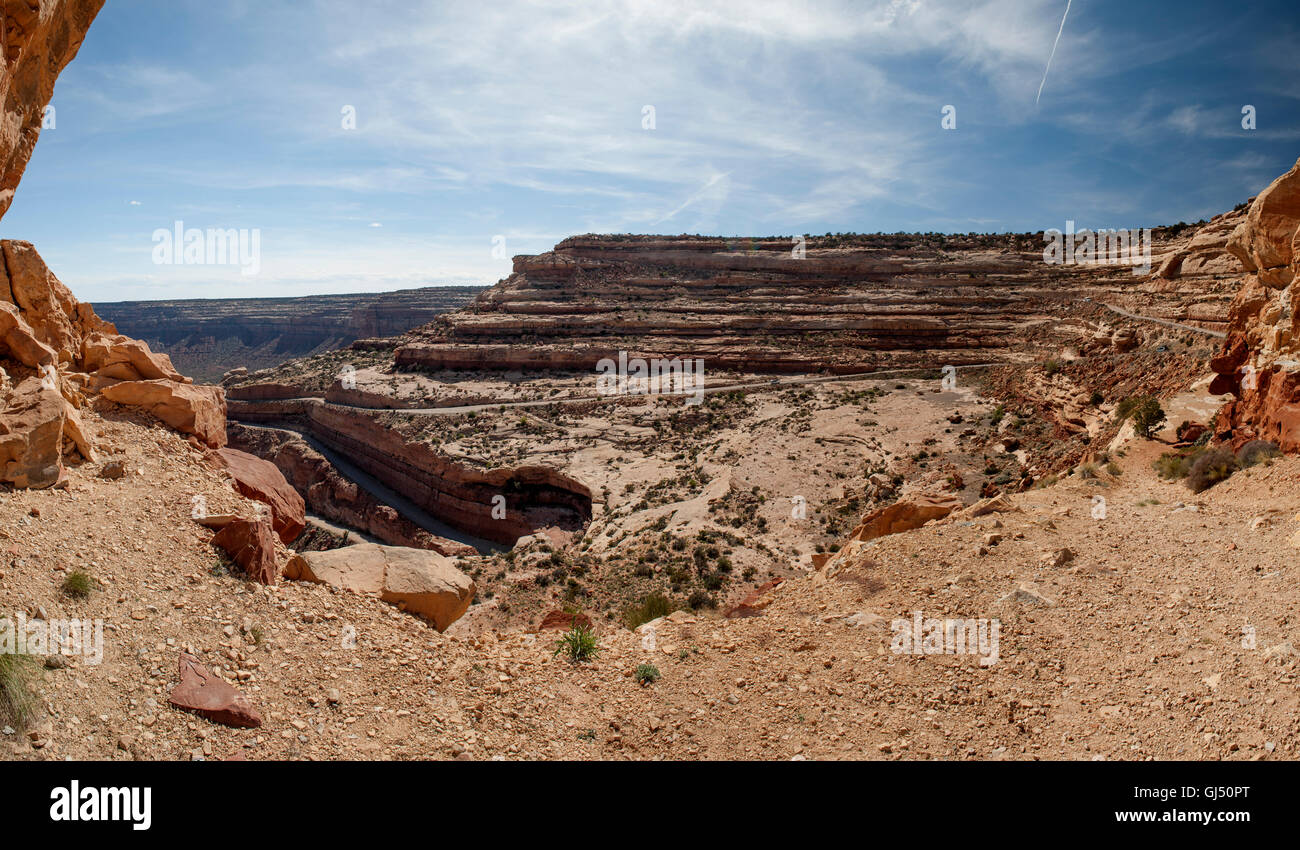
column 40, row 38
column 1260, row 360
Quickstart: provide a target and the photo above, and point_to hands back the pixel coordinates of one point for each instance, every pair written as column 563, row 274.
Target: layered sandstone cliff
column 837, row 305
column 1260, row 360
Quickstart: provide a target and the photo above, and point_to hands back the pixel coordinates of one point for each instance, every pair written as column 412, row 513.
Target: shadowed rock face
column 208, row 337
column 328, row 493
column 40, row 38
column 1260, row 360
column 526, row 498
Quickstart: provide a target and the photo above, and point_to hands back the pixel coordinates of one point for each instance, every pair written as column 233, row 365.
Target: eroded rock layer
column 331, row 495
column 500, row 504
column 1260, row 360
column 756, row 305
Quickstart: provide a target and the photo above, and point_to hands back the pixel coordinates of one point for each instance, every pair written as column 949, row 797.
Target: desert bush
column 654, row 606
column 1256, row 451
column 1213, row 466
column 647, row 674
column 578, row 643
column 1174, row 466
column 78, row 585
column 700, row 599
column 18, row 702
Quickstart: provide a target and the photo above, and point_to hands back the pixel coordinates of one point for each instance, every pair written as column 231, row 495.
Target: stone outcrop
column 262, row 481
column 418, row 581
column 49, row 339
column 906, row 514
column 32, row 419
column 197, row 410
column 251, row 543
column 333, row 496
column 40, row 38
column 1259, row 362
column 206, row 337
column 207, row 696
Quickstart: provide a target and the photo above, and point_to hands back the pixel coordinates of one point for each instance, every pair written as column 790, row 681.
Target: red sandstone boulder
column 416, row 580
column 18, row 340
column 197, row 410
column 753, row 604
column 251, row 543
column 904, row 515
column 262, row 480
column 31, row 435
column 120, row 358
column 207, row 696
column 563, row 620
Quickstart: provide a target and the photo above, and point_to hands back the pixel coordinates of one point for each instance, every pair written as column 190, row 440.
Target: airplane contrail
column 1053, row 53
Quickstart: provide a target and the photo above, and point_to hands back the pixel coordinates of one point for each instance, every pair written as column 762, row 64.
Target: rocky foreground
column 1131, row 646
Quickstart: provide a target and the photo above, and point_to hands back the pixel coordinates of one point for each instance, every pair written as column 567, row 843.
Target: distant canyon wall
column 835, row 304
column 208, row 337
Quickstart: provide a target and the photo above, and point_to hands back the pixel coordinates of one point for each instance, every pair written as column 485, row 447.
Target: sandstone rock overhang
column 1259, row 362
column 40, row 38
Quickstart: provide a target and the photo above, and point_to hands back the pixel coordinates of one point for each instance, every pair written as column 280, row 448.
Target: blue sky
column 524, row 120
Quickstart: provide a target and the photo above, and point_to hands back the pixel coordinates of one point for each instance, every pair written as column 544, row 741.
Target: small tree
column 1147, row 414
column 1148, row 417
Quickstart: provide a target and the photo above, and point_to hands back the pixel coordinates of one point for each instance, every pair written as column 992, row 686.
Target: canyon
column 205, row 338
column 891, row 423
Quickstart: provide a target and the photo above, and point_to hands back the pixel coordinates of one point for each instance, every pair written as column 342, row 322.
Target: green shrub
column 18, row 703
column 1173, row 466
column 78, row 585
column 699, row 599
column 653, row 607
column 578, row 643
column 647, row 674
